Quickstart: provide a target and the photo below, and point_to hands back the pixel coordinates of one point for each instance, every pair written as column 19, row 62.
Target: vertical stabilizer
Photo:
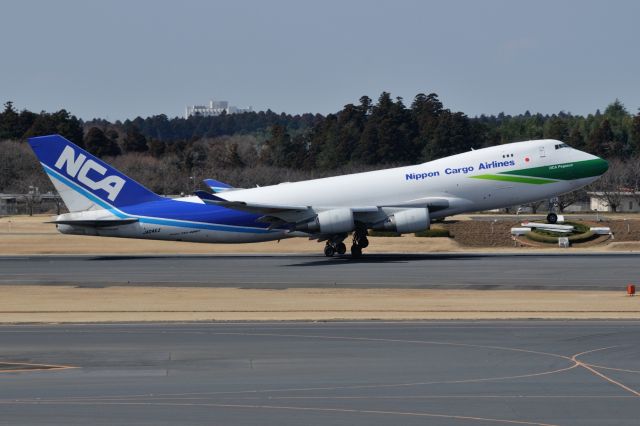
column 85, row 182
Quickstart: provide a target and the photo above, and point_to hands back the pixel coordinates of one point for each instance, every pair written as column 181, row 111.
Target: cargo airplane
column 104, row 202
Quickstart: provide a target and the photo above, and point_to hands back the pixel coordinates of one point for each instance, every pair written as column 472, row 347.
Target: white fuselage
column 461, row 180
column 446, row 178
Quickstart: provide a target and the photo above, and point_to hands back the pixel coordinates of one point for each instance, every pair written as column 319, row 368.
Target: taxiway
column 351, row 373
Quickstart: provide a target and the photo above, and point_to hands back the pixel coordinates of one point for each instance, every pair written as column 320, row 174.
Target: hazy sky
column 120, row 59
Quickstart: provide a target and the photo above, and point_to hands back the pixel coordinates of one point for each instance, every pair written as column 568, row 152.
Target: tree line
column 172, row 155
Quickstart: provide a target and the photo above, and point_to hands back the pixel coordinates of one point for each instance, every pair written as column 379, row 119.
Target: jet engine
column 336, row 221
column 408, row 220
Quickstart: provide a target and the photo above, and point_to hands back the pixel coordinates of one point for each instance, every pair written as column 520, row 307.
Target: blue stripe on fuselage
column 178, row 213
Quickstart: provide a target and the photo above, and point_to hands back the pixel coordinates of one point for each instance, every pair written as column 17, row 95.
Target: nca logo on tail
column 80, row 168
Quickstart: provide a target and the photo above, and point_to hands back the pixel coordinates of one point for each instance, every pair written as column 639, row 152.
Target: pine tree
column 97, row 143
column 134, row 141
column 9, row 122
column 635, row 134
column 600, row 139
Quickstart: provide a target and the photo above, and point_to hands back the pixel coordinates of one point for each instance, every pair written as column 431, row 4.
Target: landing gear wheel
column 341, row 248
column 552, row 218
column 356, row 251
column 329, row 251
column 364, row 243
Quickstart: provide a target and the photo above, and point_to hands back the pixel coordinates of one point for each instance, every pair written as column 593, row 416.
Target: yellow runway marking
column 590, row 368
column 603, row 367
column 31, row 367
column 292, row 408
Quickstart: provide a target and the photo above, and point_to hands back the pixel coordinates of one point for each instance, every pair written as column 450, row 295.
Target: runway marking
column 324, row 388
column 379, row 339
column 373, row 386
column 32, row 367
column 602, row 375
column 320, row 397
column 573, row 359
column 292, row 408
column 443, row 397
column 602, row 367
column 190, row 396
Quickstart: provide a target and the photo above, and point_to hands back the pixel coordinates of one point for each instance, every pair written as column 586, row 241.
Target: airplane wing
column 284, row 215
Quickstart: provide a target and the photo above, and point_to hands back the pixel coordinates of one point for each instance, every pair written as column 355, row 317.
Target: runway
column 349, row 373
column 445, row 270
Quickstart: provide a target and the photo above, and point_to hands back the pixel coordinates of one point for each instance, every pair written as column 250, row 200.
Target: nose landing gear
column 552, row 217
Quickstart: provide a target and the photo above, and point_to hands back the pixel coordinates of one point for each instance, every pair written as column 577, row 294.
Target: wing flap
column 433, row 204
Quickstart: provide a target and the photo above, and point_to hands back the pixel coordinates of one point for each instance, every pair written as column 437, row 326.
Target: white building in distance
column 628, row 202
column 214, row 109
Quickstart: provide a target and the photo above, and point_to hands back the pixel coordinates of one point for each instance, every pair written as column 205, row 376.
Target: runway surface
column 450, row 270
column 353, row 373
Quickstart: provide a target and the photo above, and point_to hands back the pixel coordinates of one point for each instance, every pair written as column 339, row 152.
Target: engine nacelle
column 336, row 221
column 409, row 220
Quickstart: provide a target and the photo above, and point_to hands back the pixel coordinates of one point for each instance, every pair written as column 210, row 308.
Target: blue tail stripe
column 153, row 220
column 82, row 191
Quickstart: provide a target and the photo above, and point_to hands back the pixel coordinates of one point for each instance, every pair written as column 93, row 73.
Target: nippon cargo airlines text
column 459, row 170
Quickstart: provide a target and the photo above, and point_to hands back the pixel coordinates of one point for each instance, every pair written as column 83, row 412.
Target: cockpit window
column 562, row 145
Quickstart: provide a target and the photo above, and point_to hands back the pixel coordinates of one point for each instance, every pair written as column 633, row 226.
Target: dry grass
column 71, row 304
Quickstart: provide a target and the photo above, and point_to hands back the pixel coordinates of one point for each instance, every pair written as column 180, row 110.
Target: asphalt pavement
column 595, row 271
column 338, row 373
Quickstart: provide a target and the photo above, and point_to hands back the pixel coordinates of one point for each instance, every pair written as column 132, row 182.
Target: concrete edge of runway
column 320, row 255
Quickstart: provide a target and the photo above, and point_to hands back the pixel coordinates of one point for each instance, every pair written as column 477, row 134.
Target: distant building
column 628, row 201
column 214, row 109
column 32, row 202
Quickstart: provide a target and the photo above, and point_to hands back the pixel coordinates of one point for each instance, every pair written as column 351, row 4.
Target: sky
column 121, row 59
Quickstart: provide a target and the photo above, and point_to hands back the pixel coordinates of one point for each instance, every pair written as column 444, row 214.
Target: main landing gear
column 335, row 245
column 360, row 241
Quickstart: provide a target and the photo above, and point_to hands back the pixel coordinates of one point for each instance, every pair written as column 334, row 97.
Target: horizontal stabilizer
column 217, row 186
column 205, row 196
column 98, row 223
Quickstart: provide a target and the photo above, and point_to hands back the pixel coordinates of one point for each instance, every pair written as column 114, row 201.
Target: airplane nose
column 600, row 166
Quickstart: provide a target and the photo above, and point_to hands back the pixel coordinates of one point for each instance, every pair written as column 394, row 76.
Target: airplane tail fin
column 85, row 182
